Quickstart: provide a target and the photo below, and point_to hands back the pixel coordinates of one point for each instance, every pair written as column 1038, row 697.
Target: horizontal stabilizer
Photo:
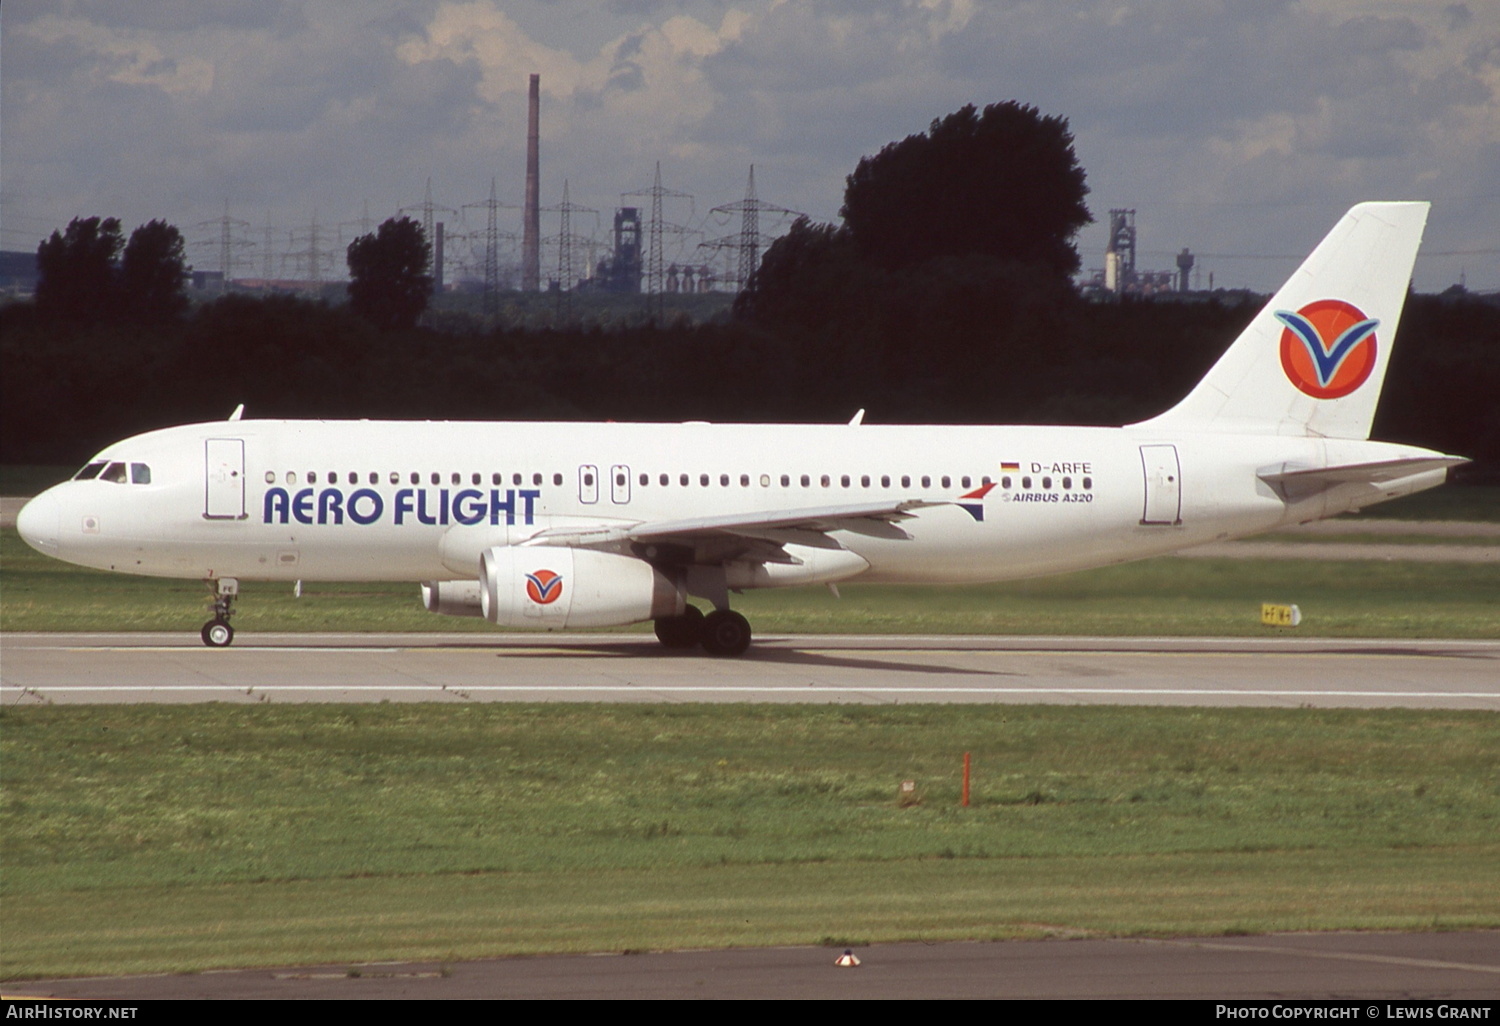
column 1294, row 482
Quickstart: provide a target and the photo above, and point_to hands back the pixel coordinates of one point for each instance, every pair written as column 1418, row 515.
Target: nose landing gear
column 217, row 633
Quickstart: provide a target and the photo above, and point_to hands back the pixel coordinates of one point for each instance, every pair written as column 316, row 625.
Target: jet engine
column 453, row 598
column 557, row 588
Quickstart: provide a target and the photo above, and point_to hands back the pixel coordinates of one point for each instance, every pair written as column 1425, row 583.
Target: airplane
column 556, row 526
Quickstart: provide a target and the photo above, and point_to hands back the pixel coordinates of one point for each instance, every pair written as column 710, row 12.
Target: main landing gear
column 217, row 633
column 721, row 633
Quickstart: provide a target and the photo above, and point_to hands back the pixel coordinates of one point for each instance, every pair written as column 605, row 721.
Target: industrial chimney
column 531, row 238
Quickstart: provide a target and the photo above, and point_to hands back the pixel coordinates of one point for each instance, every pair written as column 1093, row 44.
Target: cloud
column 1197, row 112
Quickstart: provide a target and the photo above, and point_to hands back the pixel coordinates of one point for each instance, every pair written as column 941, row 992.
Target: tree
column 1005, row 183
column 154, row 273
column 390, row 285
column 76, row 271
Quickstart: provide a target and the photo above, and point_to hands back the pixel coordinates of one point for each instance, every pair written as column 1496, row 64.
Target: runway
column 1461, row 966
column 1268, row 672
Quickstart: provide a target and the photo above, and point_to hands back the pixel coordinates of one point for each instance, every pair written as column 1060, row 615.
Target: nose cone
column 38, row 522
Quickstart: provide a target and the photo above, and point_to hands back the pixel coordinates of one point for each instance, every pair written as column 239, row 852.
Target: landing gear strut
column 217, row 633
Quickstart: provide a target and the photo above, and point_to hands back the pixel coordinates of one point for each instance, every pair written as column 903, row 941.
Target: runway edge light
column 1274, row 615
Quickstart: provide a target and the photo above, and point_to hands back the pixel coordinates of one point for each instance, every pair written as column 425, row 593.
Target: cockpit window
column 90, row 472
column 140, row 473
column 115, row 472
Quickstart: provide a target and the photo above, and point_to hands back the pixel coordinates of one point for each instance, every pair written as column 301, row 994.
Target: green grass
column 159, row 838
column 1156, row 597
column 29, row 479
column 1451, row 502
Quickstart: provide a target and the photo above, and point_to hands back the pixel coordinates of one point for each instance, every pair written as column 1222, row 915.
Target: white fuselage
column 420, row 501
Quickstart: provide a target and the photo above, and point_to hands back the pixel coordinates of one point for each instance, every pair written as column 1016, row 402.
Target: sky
column 1241, row 129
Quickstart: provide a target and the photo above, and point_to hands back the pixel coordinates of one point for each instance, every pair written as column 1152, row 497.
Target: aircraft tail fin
column 1313, row 360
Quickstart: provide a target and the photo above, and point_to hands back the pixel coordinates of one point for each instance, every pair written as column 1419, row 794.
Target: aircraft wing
column 760, row 536
column 1299, row 481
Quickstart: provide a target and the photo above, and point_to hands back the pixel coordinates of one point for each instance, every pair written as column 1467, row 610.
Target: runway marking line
column 1346, row 956
column 737, row 688
column 586, row 653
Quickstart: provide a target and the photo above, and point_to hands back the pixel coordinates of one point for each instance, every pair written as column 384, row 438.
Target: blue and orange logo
column 544, row 587
column 1327, row 348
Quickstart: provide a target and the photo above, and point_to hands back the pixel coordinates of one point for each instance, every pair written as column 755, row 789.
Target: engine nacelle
column 557, row 588
column 453, row 598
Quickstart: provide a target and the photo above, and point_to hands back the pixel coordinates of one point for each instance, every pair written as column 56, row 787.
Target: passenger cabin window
column 90, row 471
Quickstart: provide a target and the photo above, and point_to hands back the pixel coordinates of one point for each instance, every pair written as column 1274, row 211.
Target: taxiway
column 1276, row 672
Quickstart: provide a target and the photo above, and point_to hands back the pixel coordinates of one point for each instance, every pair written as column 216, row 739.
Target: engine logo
column 1327, row 348
column 544, row 587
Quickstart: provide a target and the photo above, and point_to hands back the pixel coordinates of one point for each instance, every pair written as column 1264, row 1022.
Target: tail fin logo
column 1327, row 348
column 544, row 587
